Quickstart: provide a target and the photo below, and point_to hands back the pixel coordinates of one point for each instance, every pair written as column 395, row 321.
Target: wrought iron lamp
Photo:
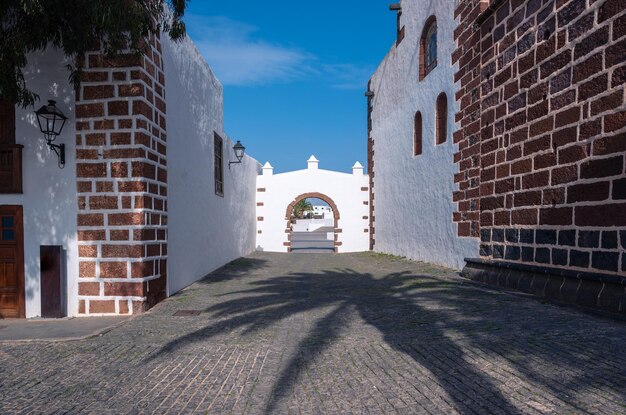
column 239, row 152
column 51, row 122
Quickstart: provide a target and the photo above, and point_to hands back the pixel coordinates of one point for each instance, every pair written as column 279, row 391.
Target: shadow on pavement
column 409, row 311
column 234, row 269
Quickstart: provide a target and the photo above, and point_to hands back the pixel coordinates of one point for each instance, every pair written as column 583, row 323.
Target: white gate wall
column 349, row 192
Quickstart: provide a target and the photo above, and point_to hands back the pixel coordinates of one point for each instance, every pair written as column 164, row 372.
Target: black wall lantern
column 239, row 152
column 51, row 121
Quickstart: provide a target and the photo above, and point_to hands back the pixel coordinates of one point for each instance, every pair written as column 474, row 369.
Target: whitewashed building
column 323, row 211
column 346, row 194
column 412, row 105
column 145, row 204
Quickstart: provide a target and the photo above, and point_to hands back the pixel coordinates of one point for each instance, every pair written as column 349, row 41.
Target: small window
column 10, row 153
column 441, row 124
column 8, row 235
column 399, row 29
column 7, row 226
column 428, row 47
column 370, row 106
column 218, row 165
column 7, row 123
column 431, row 47
column 417, row 134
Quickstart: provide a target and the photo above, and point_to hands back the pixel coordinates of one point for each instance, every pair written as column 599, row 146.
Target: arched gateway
column 346, row 194
column 289, row 215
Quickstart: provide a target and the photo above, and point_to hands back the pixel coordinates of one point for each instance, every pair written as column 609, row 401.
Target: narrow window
column 428, row 47
column 441, row 119
column 399, row 29
column 417, row 134
column 218, row 165
column 7, row 123
column 370, row 107
column 10, row 153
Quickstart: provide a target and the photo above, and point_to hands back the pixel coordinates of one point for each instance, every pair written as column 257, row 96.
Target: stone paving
column 325, row 334
column 313, row 242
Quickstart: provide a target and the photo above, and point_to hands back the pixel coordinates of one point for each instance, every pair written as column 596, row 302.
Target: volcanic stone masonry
column 542, row 140
column 122, row 182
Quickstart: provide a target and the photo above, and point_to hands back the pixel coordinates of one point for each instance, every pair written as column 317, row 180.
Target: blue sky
column 294, row 74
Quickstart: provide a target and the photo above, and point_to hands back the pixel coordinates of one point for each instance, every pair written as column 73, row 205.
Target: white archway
column 347, row 194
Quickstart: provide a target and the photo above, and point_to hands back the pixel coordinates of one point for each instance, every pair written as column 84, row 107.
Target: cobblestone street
column 354, row 333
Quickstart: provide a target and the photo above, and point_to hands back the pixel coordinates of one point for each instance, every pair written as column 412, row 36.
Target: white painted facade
column 49, row 193
column 413, row 204
column 324, row 211
column 311, row 225
column 205, row 231
column 348, row 191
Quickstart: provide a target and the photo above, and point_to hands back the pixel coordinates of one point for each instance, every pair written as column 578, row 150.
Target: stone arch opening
column 289, row 218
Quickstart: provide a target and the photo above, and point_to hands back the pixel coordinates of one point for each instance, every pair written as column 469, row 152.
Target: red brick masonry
column 543, row 131
column 122, row 182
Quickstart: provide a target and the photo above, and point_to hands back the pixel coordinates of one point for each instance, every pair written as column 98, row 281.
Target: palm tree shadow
column 394, row 305
column 237, row 268
column 372, row 302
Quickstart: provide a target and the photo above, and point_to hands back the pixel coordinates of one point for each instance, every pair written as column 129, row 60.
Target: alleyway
column 354, row 333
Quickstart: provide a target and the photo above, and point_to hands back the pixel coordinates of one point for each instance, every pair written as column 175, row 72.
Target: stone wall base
column 593, row 290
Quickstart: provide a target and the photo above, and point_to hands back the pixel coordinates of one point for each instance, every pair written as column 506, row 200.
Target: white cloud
column 238, row 57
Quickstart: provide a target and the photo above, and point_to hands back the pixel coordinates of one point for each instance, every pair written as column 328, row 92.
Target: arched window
column 417, row 134
column 441, row 122
column 428, row 47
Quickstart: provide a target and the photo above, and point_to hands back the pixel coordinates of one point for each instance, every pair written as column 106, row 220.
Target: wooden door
column 11, row 263
column 50, row 258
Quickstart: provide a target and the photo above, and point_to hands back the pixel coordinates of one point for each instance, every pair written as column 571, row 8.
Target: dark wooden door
column 51, row 282
column 11, row 262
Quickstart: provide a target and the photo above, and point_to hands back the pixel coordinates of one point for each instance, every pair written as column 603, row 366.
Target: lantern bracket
column 51, row 122
column 239, row 153
column 59, row 150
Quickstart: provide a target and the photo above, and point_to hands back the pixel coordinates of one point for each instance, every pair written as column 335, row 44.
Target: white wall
column 311, row 225
column 343, row 188
column 205, row 231
column 413, row 195
column 49, row 198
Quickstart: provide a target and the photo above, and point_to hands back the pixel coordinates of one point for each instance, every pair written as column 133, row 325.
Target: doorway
column 312, row 224
column 11, row 262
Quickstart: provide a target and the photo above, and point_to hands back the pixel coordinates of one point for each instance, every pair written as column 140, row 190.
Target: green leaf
column 77, row 27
